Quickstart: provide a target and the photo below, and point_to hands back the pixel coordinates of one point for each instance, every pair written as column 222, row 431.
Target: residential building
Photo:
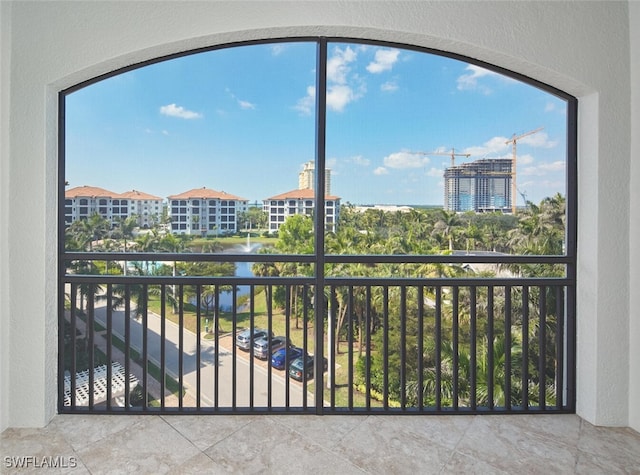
column 480, row 186
column 147, row 208
column 205, row 212
column 303, row 201
column 83, row 201
column 307, row 178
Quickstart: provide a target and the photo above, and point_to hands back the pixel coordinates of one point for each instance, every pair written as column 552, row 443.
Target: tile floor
column 324, row 445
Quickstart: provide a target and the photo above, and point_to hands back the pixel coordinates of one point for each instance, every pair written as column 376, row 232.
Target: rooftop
column 300, row 194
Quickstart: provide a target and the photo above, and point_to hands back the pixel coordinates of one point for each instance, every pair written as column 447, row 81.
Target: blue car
column 278, row 358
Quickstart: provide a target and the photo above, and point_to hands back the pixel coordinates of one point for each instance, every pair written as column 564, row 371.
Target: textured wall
column 634, row 282
column 581, row 47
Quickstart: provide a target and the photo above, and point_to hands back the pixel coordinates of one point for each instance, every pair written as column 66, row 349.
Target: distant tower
column 480, row 186
column 307, row 178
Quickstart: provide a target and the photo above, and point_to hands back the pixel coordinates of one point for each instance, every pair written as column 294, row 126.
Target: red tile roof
column 205, row 194
column 97, row 192
column 89, row 191
column 138, row 195
column 303, row 194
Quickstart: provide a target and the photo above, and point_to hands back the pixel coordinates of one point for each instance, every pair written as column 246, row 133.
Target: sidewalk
column 154, row 388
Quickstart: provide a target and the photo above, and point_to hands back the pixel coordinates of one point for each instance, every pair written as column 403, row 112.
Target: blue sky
column 242, row 120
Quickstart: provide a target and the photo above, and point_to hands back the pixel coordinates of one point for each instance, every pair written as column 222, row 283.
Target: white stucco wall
column 580, row 47
column 5, row 55
column 634, row 281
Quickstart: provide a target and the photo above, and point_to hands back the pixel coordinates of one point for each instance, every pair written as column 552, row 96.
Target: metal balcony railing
column 418, row 345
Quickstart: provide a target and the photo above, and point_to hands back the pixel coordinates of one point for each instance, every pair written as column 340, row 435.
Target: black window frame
column 320, row 258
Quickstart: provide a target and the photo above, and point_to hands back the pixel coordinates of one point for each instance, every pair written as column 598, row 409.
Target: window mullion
column 321, row 128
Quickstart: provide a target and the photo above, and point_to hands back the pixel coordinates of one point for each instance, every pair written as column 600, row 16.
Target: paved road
column 280, row 386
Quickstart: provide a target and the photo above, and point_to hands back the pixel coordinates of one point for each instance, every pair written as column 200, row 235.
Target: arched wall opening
column 493, row 195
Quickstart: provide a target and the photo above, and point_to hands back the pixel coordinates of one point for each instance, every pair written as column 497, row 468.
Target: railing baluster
column 234, row 317
column 145, row 349
column 198, row 361
column 420, row 349
column 507, row 346
column 525, row 347
column 74, row 341
column 216, row 339
column 490, row 347
column 474, row 347
column 542, row 349
column 456, row 344
column 89, row 332
column 385, row 344
column 403, row 347
column 438, row 362
column 368, row 352
column 163, row 343
column 350, row 312
column 559, row 342
column 287, row 321
column 234, row 364
column 127, row 345
column 305, row 345
column 180, row 346
column 332, row 342
column 109, row 323
column 268, row 291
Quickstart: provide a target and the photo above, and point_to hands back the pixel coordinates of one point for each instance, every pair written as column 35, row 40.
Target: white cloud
column 277, row 49
column 544, row 168
column 165, row 132
column 389, row 86
column 338, row 65
column 173, row 110
column 435, row 172
column 360, row 160
column 383, row 60
column 339, row 95
column 469, row 81
column 405, row 159
column 549, row 107
column 494, row 145
column 380, row 171
column 539, row 139
column 305, row 104
column 498, row 146
column 246, row 104
column 525, row 159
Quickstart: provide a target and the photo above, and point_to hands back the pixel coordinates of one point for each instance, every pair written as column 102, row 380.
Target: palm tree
column 446, row 226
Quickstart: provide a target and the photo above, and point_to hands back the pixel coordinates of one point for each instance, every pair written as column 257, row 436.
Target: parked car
column 261, row 346
column 278, row 359
column 245, row 338
column 299, row 365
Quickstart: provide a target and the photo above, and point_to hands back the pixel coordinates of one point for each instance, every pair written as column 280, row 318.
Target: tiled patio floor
column 324, row 445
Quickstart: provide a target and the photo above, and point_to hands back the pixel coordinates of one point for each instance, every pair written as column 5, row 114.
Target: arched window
column 438, row 275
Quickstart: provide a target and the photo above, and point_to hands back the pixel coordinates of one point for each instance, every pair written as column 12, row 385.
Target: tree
column 447, row 225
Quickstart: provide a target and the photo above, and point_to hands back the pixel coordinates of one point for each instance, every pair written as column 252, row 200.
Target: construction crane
column 513, row 140
column 524, row 197
column 451, row 154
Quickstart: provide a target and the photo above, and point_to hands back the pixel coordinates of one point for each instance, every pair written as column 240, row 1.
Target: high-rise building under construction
column 480, row 186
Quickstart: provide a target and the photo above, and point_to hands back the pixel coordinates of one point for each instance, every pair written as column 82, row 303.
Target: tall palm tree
column 446, row 226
